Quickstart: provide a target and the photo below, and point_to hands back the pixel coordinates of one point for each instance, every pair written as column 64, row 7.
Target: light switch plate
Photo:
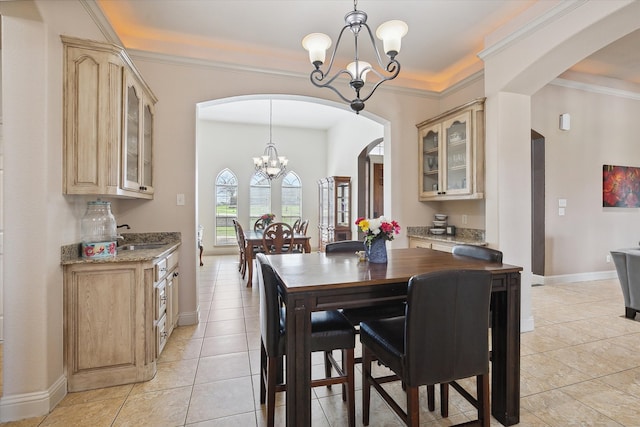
column 562, row 203
column 180, row 199
column 561, row 211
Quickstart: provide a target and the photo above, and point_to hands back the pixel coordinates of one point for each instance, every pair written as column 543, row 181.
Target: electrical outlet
column 464, row 220
column 180, row 199
column 608, row 257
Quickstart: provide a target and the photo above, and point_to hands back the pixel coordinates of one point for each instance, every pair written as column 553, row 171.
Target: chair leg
column 348, row 367
column 271, row 390
column 444, row 400
column 413, row 407
column 431, row 400
column 366, row 385
column 263, row 369
column 327, row 368
column 484, row 406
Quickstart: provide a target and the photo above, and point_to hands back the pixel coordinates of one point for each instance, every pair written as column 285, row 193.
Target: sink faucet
column 124, row 225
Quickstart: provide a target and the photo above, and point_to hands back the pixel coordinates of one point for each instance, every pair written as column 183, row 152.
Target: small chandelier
column 390, row 32
column 270, row 164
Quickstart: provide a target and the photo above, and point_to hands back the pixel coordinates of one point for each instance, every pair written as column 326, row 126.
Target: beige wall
column 38, row 219
column 604, row 130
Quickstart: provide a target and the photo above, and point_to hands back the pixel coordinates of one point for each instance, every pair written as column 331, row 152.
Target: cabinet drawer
column 161, row 334
column 160, row 270
column 161, row 299
column 172, row 260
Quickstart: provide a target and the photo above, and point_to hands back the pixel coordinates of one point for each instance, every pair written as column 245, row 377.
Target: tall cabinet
column 451, row 154
column 108, row 122
column 334, row 205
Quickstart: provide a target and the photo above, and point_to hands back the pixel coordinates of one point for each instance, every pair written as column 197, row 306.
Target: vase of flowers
column 377, row 231
column 267, row 218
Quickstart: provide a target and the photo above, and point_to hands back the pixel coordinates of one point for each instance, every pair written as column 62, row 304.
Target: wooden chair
column 278, row 238
column 303, row 227
column 259, row 225
column 329, row 331
column 443, row 338
column 242, row 246
column 296, row 226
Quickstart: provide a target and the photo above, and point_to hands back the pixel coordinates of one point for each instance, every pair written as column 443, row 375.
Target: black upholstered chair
column 479, row 252
column 344, row 246
column 330, row 330
column 442, row 338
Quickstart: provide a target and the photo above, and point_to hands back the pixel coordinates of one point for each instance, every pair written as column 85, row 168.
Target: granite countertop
column 466, row 236
column 71, row 254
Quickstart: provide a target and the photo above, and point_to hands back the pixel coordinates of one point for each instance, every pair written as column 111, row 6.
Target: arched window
column 226, row 207
column 291, row 198
column 259, row 197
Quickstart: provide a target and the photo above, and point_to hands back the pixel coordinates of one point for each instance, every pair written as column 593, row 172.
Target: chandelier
column 270, row 164
column 390, row 32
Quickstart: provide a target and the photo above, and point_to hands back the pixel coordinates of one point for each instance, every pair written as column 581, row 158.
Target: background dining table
column 320, row 281
column 254, row 239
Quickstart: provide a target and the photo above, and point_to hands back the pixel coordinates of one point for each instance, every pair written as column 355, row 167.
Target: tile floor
column 580, row 367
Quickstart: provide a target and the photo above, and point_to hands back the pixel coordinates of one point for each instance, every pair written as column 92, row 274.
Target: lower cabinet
column 116, row 321
column 416, row 242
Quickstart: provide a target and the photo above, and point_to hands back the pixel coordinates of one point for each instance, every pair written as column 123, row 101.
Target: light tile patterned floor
column 580, row 367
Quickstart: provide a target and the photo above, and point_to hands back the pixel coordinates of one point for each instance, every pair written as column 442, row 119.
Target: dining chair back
column 277, row 238
column 242, row 246
column 344, row 246
column 443, row 338
column 479, row 252
column 296, row 226
column 259, row 225
column 329, row 331
column 303, row 227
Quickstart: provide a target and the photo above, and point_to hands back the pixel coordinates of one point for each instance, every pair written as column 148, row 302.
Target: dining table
column 254, row 240
column 320, row 281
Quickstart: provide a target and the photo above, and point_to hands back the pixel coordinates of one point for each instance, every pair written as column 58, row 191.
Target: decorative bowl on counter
column 438, row 231
column 440, row 224
column 441, row 217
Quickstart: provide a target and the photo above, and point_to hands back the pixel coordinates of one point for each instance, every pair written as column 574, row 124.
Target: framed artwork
column 620, row 186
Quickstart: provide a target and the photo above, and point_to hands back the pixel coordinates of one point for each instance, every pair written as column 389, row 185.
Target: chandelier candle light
column 390, row 32
column 270, row 164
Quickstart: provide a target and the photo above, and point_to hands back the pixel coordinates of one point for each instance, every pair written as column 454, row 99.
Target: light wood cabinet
column 416, row 242
column 117, row 319
column 108, row 122
column 451, row 154
column 334, row 209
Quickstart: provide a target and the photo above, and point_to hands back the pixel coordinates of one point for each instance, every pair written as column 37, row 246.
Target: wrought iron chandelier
column 270, row 164
column 390, row 32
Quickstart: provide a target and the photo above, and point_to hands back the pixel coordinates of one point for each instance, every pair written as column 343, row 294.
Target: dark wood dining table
column 254, row 239
column 319, row 281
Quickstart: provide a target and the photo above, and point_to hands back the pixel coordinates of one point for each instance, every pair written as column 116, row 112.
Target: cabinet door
column 147, row 149
column 457, row 152
column 131, row 136
column 430, row 140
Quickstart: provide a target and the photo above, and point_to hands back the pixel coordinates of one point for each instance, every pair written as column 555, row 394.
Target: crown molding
column 589, row 87
column 536, row 24
column 96, row 14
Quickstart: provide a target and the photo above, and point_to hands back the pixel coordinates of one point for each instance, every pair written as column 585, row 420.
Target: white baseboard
column 29, row 405
column 191, row 318
column 572, row 278
column 527, row 325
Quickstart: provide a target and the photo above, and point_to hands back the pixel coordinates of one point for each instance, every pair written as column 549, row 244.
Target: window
column 291, row 198
column 226, row 207
column 259, row 197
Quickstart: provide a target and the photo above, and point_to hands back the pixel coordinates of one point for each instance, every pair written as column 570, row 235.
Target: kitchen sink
column 140, row 246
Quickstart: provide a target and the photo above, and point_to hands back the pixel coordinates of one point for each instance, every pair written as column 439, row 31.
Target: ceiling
column 439, row 50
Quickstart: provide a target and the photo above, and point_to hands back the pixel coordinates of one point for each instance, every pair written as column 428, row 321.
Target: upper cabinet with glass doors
column 451, row 154
column 108, row 122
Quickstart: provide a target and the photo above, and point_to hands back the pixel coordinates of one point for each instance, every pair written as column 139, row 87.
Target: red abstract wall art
column 620, row 186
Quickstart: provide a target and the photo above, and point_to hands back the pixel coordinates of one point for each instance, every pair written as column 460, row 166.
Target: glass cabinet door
column 458, row 154
column 131, row 153
column 147, row 149
column 342, row 204
column 430, row 160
